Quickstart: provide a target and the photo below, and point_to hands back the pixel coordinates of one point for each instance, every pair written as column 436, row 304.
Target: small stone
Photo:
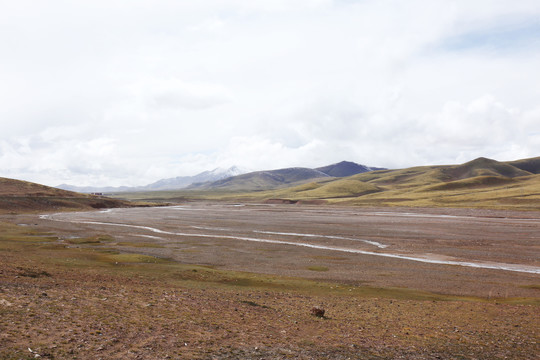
column 5, row 302
column 317, row 311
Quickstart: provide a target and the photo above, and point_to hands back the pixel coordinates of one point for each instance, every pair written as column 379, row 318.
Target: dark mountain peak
column 481, row 161
column 344, row 168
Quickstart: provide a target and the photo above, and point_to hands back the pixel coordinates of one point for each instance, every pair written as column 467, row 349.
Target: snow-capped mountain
column 181, row 182
column 174, row 183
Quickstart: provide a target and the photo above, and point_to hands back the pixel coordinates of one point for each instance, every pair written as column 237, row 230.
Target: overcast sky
column 125, row 92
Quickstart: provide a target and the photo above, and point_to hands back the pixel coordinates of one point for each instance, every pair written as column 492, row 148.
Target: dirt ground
column 207, row 234
column 228, row 281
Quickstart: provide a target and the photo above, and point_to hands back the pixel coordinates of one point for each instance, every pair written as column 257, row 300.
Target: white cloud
column 174, row 93
column 124, row 92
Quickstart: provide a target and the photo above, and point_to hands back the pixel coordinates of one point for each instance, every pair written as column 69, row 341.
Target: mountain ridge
column 273, row 179
column 480, row 182
column 263, row 180
column 173, row 183
column 216, row 179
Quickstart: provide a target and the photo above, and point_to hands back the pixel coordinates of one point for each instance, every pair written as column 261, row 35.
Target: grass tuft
column 317, row 268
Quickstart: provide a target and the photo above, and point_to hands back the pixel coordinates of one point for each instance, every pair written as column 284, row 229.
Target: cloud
column 507, row 37
column 123, row 92
column 174, row 93
column 254, row 151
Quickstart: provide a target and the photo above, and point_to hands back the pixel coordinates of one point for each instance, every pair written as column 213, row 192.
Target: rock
column 5, row 302
column 317, row 311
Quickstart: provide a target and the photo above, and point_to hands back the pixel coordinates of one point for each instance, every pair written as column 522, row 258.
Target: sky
column 126, row 92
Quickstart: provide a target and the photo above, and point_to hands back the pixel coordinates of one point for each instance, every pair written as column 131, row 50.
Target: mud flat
column 450, row 251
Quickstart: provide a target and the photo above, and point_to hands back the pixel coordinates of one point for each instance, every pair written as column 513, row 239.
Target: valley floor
column 216, row 281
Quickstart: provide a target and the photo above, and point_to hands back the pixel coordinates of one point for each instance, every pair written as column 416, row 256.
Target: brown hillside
column 11, row 187
column 22, row 196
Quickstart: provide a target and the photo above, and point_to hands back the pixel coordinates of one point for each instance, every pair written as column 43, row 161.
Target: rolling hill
column 480, row 183
column 22, row 196
column 531, row 165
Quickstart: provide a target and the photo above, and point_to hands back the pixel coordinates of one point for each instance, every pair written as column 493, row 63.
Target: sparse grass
column 317, row 268
column 140, row 245
column 105, row 260
column 92, row 240
column 253, row 303
column 83, row 302
column 133, row 258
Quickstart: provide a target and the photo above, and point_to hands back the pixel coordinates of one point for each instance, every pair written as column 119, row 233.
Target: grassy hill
column 343, row 169
column 531, row 165
column 480, row 183
column 22, row 196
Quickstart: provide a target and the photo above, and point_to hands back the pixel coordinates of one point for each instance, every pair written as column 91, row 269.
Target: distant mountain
column 263, row 180
column 235, row 178
column 482, row 182
column 181, row 182
column 346, row 168
column 175, row 183
column 273, row 179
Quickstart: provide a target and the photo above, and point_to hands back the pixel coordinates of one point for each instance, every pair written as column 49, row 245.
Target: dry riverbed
column 216, row 281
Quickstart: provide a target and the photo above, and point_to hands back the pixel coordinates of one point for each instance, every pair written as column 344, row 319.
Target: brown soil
column 483, row 236
column 64, row 299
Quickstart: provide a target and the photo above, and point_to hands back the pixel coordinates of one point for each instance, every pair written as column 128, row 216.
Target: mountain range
column 480, row 183
column 173, row 183
column 235, row 178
